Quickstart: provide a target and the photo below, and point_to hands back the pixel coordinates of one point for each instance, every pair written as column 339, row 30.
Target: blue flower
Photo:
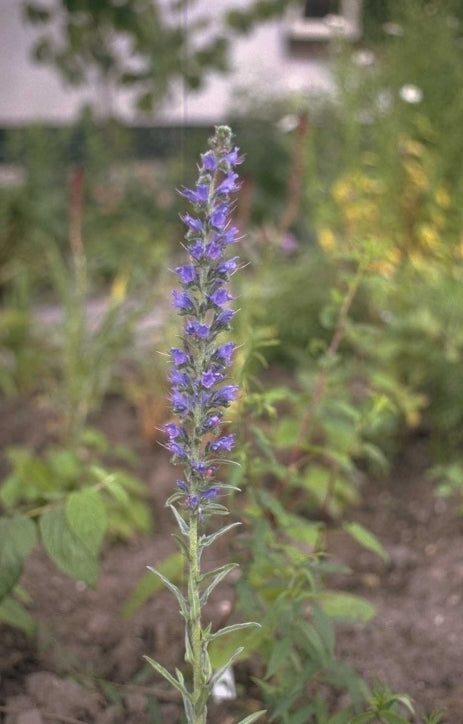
column 225, row 352
column 228, row 185
column 222, row 443
column 179, row 356
column 210, row 162
column 200, row 196
column 183, row 301
column 194, row 224
column 198, row 394
column 197, row 329
column 220, row 296
column 219, row 216
column 187, row 273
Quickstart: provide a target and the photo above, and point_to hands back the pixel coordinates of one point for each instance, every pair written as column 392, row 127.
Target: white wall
column 30, row 92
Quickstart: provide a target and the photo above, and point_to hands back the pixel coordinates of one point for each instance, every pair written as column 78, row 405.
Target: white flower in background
column 411, row 93
column 393, row 29
column 288, row 123
column 363, row 58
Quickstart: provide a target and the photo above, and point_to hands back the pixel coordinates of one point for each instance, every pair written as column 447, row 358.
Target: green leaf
column 222, row 648
column 14, row 614
column 111, row 484
column 362, row 718
column 172, row 567
column 17, row 537
column 219, row 574
column 346, row 606
column 67, row 550
column 388, row 717
column 279, row 656
column 252, row 717
column 233, row 627
column 86, row 515
column 366, row 539
column 206, row 540
column 168, row 676
column 173, row 589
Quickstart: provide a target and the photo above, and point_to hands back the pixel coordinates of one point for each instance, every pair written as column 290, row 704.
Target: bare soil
column 86, row 662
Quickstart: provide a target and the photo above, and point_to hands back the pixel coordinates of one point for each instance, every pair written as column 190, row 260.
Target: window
column 318, row 21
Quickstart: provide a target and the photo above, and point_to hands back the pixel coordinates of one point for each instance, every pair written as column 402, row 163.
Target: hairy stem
column 200, row 710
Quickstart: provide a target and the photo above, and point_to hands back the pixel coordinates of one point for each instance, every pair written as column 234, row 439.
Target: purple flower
column 225, row 352
column 181, row 403
column 181, row 379
column 219, row 216
column 183, row 301
column 200, row 196
column 209, row 378
column 230, row 235
column 196, row 329
column 228, row 185
column 209, row 161
column 224, row 319
column 228, row 266
column 209, row 493
column 179, row 356
column 187, row 273
column 220, row 296
column 199, row 395
column 222, row 443
column 225, row 395
column 197, row 250
column 192, row 501
column 177, row 449
column 214, row 251
column 173, row 430
column 233, row 157
column 210, row 422
column 192, row 223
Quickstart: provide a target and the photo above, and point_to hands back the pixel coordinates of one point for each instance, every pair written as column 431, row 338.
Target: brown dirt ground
column 86, row 664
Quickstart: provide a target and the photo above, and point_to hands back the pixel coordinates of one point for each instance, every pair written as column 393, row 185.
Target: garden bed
column 86, row 665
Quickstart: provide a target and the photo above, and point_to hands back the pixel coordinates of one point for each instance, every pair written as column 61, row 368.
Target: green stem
column 200, row 709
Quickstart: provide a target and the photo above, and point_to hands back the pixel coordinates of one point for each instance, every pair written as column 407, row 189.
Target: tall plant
column 199, row 398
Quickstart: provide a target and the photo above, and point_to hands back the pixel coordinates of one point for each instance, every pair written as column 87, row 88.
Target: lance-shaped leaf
column 233, row 627
column 253, row 717
column 174, row 589
column 182, row 524
column 171, row 567
column 220, row 671
column 168, row 676
column 206, row 540
column 219, row 574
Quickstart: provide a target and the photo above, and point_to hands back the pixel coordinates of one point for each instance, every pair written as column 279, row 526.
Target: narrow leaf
column 171, row 567
column 168, row 676
column 219, row 673
column 233, row 627
column 220, row 574
column 253, row 717
column 366, row 539
column 184, row 528
column 173, row 588
column 206, row 540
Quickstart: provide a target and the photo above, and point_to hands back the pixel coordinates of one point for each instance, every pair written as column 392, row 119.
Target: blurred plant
column 69, row 503
column 168, row 43
column 384, row 706
column 23, row 348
